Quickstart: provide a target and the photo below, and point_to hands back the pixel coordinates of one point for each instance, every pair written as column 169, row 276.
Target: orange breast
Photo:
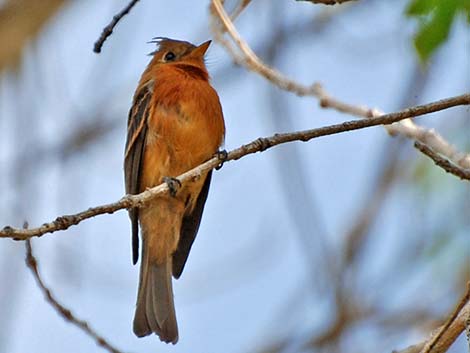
column 185, row 127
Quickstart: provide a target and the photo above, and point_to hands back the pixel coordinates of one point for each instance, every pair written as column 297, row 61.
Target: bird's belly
column 175, row 143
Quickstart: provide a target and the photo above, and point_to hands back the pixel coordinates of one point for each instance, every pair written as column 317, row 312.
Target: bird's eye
column 170, row 56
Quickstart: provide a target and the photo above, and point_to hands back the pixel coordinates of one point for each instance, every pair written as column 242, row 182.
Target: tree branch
column 442, row 338
column 258, row 145
column 243, row 55
column 406, row 127
column 449, row 167
column 108, row 30
column 32, row 264
column 249, row 58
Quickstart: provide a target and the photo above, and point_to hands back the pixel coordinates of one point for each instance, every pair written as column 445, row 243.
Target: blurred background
column 349, row 243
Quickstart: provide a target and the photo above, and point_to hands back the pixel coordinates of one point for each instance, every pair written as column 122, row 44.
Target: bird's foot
column 173, row 184
column 222, row 156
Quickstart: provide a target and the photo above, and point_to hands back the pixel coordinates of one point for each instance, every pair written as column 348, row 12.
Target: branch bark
column 249, row 58
column 407, row 127
column 258, row 145
column 442, row 338
column 462, row 173
column 108, row 30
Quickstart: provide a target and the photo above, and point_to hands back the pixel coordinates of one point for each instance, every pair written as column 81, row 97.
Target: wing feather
column 135, row 146
column 189, row 229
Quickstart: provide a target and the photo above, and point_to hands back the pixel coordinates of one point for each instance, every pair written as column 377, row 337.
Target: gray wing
column 189, row 229
column 135, row 146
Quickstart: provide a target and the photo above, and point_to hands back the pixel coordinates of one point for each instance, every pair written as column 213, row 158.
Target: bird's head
column 173, row 51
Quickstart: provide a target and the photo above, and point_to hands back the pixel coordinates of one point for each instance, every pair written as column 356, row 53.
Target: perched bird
column 175, row 123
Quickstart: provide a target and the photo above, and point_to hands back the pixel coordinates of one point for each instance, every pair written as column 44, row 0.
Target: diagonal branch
column 462, row 173
column 406, row 127
column 242, row 54
column 452, row 328
column 442, row 338
column 258, row 145
column 108, row 30
column 32, row 264
column 249, row 59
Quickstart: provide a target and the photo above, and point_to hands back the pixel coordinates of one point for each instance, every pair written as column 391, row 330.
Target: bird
column 174, row 124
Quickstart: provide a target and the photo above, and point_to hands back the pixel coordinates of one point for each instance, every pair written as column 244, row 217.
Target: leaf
column 434, row 32
column 466, row 8
column 436, row 19
column 420, row 7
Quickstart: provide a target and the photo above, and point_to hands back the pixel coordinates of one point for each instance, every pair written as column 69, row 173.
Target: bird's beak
column 199, row 51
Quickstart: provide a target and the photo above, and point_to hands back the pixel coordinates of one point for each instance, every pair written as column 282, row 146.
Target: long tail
column 155, row 311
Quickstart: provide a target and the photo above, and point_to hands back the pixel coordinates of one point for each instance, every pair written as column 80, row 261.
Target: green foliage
column 436, row 17
column 421, row 7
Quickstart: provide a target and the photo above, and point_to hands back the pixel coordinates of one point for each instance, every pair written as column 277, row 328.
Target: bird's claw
column 173, row 184
column 222, row 156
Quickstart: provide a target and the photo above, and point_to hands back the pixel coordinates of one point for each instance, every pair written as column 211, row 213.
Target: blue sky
column 257, row 270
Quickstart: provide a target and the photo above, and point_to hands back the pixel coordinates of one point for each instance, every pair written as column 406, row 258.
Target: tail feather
column 155, row 311
column 150, row 311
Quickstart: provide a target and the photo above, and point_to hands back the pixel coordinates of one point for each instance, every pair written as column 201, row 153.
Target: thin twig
column 442, row 338
column 406, row 127
column 449, row 167
column 32, row 264
column 251, row 60
column 258, row 145
column 110, row 27
column 449, row 332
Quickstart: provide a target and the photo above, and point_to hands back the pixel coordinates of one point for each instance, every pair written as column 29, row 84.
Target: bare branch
column 250, row 59
column 453, row 327
column 258, row 145
column 462, row 173
column 242, row 54
column 444, row 336
column 108, row 30
column 406, row 127
column 32, row 264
